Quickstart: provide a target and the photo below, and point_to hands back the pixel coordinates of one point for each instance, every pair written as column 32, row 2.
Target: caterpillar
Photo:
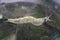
column 30, row 19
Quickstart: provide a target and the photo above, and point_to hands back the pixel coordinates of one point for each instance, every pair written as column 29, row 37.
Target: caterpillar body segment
column 38, row 22
column 16, row 21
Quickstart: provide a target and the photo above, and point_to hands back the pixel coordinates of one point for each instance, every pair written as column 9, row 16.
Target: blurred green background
column 29, row 31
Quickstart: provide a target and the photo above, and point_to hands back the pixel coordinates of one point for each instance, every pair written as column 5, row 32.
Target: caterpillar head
column 47, row 18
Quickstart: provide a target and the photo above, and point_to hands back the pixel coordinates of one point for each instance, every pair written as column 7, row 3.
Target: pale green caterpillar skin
column 38, row 22
column 29, row 19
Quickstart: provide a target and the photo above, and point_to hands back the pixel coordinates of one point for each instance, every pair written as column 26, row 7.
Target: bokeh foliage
column 29, row 31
